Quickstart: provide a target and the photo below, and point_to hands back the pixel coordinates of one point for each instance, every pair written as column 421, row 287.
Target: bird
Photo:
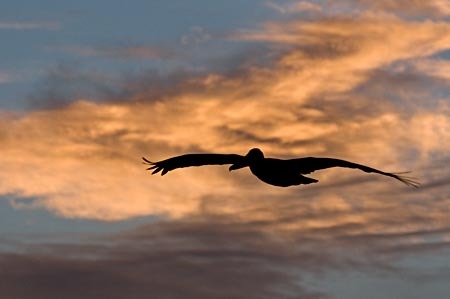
column 276, row 172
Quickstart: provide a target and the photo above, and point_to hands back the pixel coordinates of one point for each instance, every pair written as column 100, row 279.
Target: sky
column 87, row 88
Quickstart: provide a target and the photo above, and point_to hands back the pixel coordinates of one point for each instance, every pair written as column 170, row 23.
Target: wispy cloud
column 195, row 36
column 294, row 7
column 29, row 25
column 67, row 82
column 405, row 7
column 120, row 52
column 5, row 77
column 434, row 67
column 15, row 75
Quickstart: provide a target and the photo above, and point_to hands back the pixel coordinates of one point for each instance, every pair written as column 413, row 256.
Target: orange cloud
column 82, row 160
column 413, row 7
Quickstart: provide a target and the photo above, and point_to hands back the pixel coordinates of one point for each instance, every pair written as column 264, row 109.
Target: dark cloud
column 70, row 82
column 404, row 87
column 209, row 256
column 173, row 260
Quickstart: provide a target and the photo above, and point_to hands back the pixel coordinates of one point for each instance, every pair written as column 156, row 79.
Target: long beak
column 238, row 166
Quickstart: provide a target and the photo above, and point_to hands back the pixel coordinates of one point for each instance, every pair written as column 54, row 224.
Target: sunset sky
column 89, row 87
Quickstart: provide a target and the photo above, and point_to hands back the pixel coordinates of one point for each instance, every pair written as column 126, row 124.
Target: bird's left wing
column 310, row 164
column 192, row 160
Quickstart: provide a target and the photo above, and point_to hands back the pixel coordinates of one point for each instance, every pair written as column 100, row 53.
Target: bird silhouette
column 277, row 172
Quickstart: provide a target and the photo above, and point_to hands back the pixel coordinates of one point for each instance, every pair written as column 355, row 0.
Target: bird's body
column 277, row 172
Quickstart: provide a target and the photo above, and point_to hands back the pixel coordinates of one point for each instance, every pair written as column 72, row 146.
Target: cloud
column 188, row 259
column 367, row 88
column 407, row 7
column 69, row 82
column 433, row 67
column 121, row 52
column 294, row 7
column 195, row 36
column 210, row 256
column 29, row 25
column 310, row 100
column 5, row 77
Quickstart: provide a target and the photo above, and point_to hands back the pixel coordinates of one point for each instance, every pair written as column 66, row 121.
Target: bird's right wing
column 192, row 160
column 310, row 164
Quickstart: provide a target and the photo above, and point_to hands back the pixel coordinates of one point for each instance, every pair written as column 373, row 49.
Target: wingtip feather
column 156, row 170
column 407, row 180
column 147, row 161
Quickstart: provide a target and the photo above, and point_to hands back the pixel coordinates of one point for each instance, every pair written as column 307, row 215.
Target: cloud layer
column 215, row 257
column 368, row 87
column 319, row 97
column 188, row 259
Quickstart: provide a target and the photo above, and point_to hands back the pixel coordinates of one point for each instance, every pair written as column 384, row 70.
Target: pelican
column 277, row 172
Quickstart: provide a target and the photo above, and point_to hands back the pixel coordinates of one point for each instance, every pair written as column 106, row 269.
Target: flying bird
column 277, row 172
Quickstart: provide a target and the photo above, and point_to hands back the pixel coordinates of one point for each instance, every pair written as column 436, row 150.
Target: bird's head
column 253, row 155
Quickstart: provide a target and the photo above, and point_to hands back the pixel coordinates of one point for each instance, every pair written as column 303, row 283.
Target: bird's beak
column 238, row 166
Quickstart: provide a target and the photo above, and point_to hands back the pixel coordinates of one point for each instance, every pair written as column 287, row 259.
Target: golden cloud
column 413, row 7
column 82, row 160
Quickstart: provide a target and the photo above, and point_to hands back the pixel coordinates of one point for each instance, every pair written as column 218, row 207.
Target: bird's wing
column 310, row 164
column 192, row 160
